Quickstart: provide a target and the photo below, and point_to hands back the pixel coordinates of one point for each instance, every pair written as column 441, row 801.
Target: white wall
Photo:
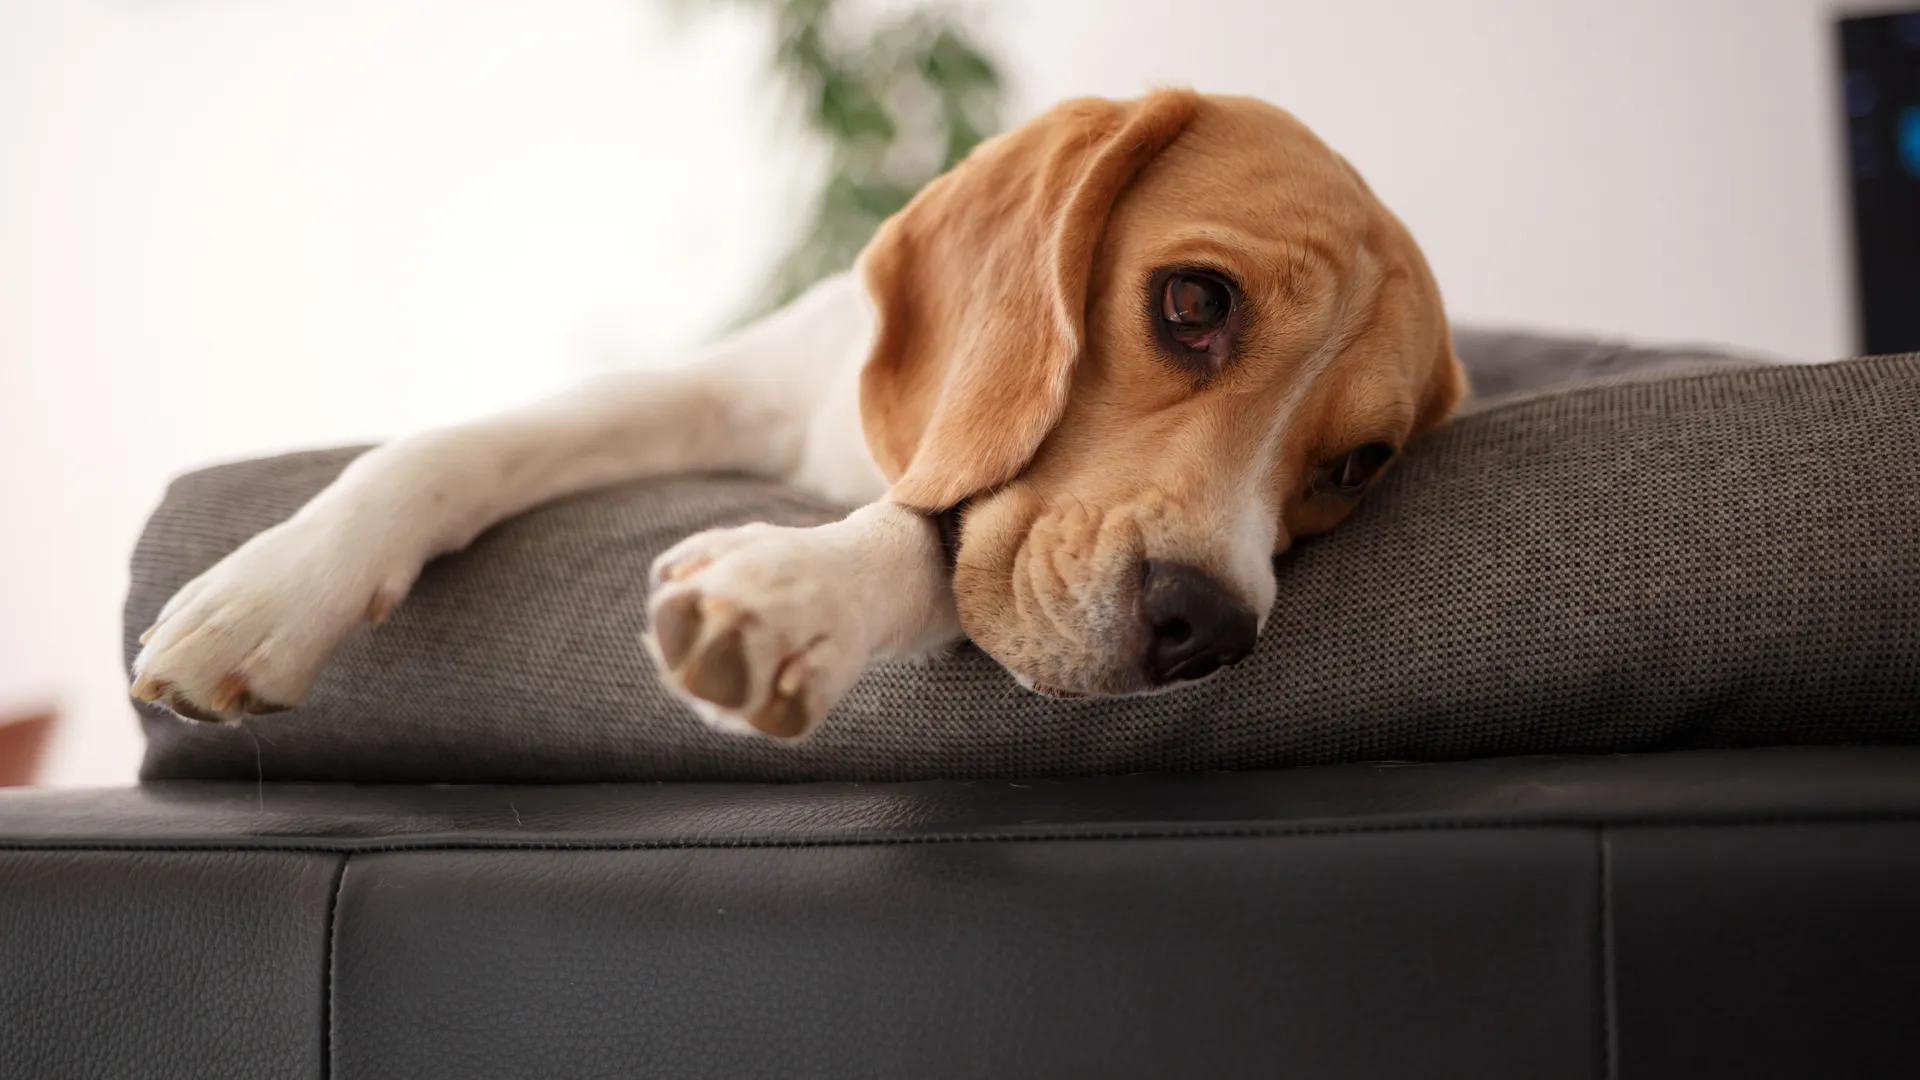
column 230, row 228
column 1663, row 168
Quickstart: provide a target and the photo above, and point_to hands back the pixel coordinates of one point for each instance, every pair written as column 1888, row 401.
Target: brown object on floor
column 23, row 740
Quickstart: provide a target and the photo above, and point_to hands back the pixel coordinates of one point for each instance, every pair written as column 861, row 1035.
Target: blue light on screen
column 1910, row 139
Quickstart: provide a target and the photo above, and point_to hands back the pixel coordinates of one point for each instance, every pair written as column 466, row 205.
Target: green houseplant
column 893, row 103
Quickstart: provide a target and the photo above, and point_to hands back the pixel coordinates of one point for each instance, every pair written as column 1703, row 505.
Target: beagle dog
column 1083, row 388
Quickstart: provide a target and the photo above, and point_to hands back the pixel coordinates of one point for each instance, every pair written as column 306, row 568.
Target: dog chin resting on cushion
column 1085, row 386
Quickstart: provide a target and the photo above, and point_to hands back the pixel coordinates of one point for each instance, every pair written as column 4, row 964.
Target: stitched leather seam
column 1609, row 997
column 326, row 995
column 374, row 845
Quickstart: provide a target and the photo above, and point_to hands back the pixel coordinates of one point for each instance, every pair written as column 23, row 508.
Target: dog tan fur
column 1016, row 364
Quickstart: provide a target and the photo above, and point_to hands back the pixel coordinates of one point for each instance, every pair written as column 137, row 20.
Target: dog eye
column 1351, row 474
column 1195, row 307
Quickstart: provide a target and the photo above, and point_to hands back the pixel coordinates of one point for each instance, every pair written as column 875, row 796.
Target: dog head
column 1139, row 348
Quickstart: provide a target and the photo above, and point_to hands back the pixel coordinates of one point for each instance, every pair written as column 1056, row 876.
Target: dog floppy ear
column 980, row 291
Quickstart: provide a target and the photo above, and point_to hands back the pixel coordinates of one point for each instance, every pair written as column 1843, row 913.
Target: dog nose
column 1196, row 625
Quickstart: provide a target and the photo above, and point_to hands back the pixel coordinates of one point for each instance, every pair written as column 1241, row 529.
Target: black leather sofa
column 1690, row 915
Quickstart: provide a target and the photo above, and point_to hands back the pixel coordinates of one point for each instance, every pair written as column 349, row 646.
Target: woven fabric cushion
column 1711, row 559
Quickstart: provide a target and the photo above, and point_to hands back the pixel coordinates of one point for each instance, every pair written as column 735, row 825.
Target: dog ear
column 980, row 291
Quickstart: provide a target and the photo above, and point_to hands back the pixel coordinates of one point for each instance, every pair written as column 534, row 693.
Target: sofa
column 1572, row 879
column 1692, row 914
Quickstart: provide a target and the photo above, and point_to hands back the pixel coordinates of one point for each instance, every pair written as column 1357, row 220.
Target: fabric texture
column 1699, row 551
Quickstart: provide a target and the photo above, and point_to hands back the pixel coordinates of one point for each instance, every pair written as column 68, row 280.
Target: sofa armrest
column 1692, row 914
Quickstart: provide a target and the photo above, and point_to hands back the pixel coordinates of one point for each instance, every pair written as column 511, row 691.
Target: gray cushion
column 1506, row 362
column 1723, row 558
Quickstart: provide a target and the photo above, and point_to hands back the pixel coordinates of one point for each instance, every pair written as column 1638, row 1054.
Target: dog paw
column 250, row 635
column 745, row 625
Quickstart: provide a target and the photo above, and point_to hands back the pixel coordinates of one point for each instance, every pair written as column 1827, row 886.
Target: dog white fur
column 779, row 399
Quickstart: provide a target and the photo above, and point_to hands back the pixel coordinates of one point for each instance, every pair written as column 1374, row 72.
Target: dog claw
column 229, row 693
column 793, row 676
column 684, row 569
column 149, row 689
column 782, row 718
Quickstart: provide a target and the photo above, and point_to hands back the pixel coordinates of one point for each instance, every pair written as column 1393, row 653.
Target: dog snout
column 1195, row 625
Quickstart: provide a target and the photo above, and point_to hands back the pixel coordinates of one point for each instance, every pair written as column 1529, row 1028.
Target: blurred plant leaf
column 894, row 105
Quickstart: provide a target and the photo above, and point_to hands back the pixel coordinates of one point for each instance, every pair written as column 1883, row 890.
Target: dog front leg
column 763, row 628
column 251, row 634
